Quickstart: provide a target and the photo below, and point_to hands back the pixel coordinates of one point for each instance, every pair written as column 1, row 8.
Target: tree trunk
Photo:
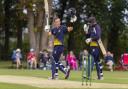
column 44, row 36
column 44, row 40
column 32, row 38
column 39, row 38
column 6, row 28
column 19, row 34
column 38, row 33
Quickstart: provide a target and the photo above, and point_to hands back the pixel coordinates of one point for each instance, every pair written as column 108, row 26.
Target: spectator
column 31, row 59
column 71, row 59
column 109, row 60
column 16, row 57
column 124, row 59
column 44, row 57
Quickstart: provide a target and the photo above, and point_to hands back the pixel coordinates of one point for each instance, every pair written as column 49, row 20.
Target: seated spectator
column 44, row 58
column 123, row 62
column 31, row 59
column 124, row 59
column 71, row 59
column 109, row 60
column 16, row 57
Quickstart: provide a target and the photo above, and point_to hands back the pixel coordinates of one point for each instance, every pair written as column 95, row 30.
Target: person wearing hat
column 93, row 34
column 18, row 57
column 31, row 59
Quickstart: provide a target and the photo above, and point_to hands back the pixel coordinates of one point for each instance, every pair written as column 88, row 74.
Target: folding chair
column 13, row 65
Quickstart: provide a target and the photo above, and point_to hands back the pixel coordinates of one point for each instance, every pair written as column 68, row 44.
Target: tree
column 108, row 14
column 18, row 14
column 1, row 27
column 116, row 25
column 7, row 21
column 38, row 38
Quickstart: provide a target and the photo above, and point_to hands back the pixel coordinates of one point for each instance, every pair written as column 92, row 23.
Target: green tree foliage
column 116, row 26
column 11, row 26
column 7, row 26
column 110, row 15
column 1, row 25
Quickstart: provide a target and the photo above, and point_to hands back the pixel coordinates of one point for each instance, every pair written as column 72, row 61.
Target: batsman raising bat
column 93, row 34
column 58, row 31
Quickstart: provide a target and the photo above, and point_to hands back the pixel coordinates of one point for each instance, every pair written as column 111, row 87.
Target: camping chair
column 13, row 65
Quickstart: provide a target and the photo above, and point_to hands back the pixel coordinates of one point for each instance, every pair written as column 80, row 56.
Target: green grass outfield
column 15, row 86
column 19, row 86
column 116, row 77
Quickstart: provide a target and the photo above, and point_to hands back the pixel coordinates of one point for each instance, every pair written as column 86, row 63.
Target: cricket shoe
column 102, row 78
column 51, row 78
column 56, row 77
column 67, row 73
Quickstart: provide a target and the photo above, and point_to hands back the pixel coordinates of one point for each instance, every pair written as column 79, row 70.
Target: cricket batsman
column 58, row 31
column 93, row 33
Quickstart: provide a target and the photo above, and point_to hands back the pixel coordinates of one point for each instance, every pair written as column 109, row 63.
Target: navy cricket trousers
column 94, row 51
column 57, row 51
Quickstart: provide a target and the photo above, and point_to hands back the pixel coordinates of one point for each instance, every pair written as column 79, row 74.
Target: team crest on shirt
column 94, row 30
column 59, row 30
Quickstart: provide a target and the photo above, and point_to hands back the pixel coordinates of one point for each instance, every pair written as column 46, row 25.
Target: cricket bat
column 103, row 50
column 47, row 26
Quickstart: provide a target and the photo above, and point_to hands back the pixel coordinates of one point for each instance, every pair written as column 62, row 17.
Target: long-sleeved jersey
column 94, row 33
column 59, row 34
